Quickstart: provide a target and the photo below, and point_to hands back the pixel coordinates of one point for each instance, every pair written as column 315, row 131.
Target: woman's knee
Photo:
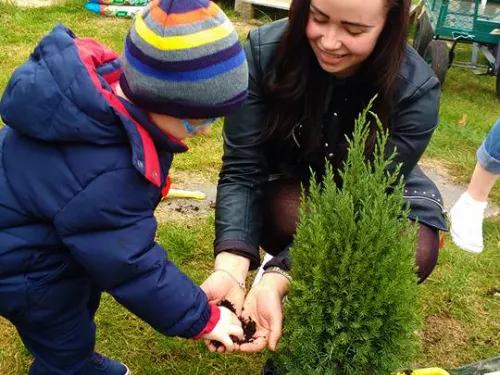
column 427, row 250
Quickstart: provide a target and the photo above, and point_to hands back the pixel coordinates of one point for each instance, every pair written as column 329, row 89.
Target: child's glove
column 222, row 325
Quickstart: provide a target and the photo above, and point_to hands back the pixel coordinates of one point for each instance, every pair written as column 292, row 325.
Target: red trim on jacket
column 92, row 54
column 166, row 188
column 113, row 76
column 212, row 322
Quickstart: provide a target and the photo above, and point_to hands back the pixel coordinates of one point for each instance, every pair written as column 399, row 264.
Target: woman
column 310, row 76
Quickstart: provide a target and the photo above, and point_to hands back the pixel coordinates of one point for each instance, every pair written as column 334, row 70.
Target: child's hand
column 228, row 325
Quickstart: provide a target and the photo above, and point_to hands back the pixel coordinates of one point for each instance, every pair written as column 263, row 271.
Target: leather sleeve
column 415, row 119
column 283, row 260
column 244, row 172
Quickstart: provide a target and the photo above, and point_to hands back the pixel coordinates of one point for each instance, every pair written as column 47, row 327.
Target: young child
column 84, row 160
column 467, row 214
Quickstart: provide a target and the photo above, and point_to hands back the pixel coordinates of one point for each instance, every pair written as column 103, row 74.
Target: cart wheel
column 423, row 34
column 437, row 56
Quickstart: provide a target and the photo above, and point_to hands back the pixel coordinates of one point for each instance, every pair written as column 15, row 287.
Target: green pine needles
column 353, row 307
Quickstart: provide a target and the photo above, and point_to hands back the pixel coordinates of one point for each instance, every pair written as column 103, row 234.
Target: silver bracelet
column 280, row 271
column 240, row 284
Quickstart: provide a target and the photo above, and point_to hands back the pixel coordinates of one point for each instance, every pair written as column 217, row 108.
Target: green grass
column 469, row 108
column 203, row 158
column 125, row 337
column 462, row 320
column 22, row 28
column 465, row 96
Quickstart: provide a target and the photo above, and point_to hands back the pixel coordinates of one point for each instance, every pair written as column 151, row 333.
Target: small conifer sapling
column 353, row 305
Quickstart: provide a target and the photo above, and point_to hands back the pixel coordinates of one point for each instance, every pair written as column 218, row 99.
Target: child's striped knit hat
column 183, row 58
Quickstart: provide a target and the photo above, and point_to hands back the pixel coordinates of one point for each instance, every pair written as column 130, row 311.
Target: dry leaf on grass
column 463, row 121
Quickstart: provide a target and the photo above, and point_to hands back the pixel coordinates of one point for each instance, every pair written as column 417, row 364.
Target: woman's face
column 343, row 33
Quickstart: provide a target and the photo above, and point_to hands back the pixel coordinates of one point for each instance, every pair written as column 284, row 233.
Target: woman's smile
column 330, row 58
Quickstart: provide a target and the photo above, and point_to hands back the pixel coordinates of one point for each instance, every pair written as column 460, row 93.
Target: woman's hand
column 226, row 283
column 264, row 306
column 228, row 280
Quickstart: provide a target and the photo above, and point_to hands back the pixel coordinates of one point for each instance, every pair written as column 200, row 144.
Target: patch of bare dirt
column 443, row 338
column 434, row 165
column 182, row 209
column 450, row 189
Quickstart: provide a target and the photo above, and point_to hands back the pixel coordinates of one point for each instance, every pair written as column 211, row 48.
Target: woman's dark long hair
column 297, row 91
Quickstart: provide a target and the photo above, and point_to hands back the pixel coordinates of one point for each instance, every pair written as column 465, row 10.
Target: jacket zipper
column 426, row 198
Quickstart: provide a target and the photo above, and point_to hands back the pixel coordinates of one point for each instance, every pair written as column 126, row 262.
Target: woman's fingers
column 255, row 346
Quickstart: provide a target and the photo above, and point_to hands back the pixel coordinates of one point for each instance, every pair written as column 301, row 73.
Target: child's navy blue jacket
column 81, row 172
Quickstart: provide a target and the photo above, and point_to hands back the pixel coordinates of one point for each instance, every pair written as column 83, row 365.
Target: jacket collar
column 145, row 138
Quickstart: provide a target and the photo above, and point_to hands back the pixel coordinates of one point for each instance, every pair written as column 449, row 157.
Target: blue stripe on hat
column 181, row 6
column 191, row 76
column 182, row 65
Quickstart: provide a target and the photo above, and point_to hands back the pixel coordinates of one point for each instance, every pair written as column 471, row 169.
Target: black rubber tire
column 438, row 57
column 423, row 34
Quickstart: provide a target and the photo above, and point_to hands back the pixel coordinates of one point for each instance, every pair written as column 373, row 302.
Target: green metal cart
column 442, row 24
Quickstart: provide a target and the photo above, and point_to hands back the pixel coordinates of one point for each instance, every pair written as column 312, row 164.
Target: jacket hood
column 62, row 93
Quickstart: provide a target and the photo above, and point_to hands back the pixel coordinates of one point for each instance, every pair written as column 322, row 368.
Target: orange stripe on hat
column 165, row 19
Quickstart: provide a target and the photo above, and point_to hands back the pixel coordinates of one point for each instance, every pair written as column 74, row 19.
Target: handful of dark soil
column 249, row 326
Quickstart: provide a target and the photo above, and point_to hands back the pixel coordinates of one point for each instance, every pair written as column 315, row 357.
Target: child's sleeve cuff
column 212, row 322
